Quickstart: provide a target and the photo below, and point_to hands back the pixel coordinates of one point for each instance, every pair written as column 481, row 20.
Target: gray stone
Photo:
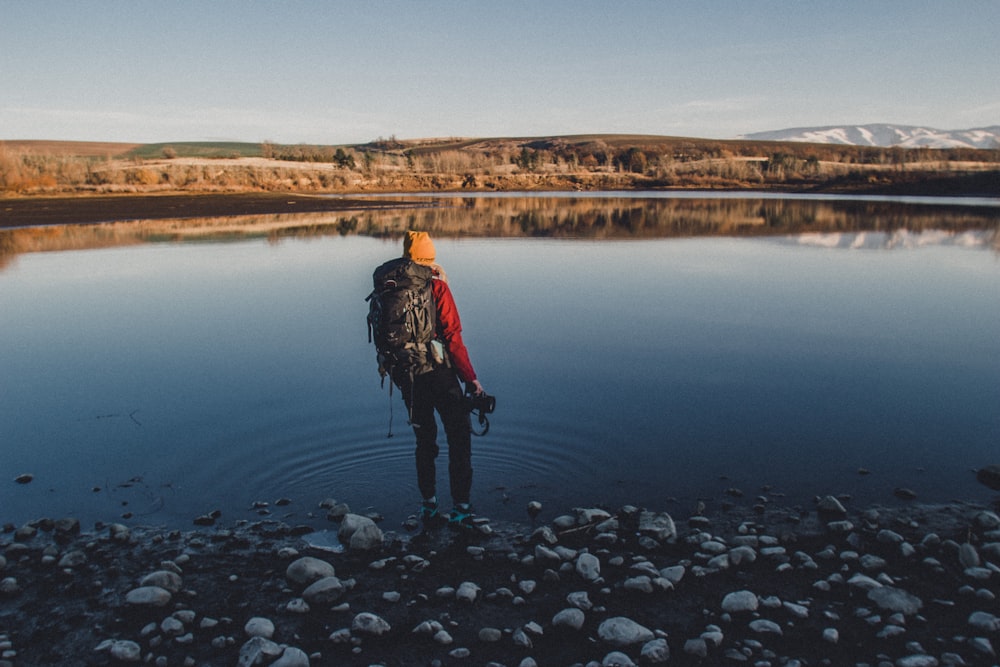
column 968, row 556
column 292, row 657
column 831, row 506
column 917, row 661
column 673, row 574
column 126, row 651
column 740, row 601
column 657, row 524
column 984, row 621
column 74, row 558
column 588, row 567
column 655, row 652
column 571, row 618
column 764, row 626
column 307, row 570
column 467, row 592
column 621, row 631
column 324, row 591
column 259, row 627
column 617, row 659
column 148, row 596
column 165, row 579
column 370, row 624
column 895, row 599
column 490, row 635
column 642, row 584
column 359, row 533
column 257, row 651
column 697, row 647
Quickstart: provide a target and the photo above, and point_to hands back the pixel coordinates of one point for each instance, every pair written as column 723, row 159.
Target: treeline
column 595, row 162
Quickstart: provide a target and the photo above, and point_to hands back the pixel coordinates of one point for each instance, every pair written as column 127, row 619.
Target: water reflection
column 177, row 374
column 566, row 216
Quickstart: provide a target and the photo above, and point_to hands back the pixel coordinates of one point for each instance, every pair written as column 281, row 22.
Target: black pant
column 439, row 390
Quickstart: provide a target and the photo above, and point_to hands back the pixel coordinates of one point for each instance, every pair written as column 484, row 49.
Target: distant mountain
column 904, row 136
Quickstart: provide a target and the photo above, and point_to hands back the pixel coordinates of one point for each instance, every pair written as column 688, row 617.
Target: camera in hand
column 482, row 403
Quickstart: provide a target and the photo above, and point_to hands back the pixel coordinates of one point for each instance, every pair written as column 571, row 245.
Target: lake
column 644, row 349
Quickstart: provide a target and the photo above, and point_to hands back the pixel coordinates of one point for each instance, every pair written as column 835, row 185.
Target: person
column 439, row 390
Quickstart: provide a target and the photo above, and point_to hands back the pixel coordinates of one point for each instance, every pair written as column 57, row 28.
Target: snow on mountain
column 904, row 136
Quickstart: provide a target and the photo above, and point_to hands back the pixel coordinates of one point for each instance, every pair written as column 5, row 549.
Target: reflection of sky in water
column 629, row 371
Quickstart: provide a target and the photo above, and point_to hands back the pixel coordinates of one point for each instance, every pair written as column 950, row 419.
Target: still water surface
column 635, row 359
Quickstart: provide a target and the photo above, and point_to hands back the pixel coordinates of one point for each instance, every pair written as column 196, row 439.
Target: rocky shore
column 907, row 586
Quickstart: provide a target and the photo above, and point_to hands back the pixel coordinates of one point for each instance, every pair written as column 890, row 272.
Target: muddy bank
column 28, row 211
column 829, row 584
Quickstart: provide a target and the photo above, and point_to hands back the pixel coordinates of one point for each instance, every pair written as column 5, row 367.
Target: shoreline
column 908, row 585
column 89, row 209
column 42, row 210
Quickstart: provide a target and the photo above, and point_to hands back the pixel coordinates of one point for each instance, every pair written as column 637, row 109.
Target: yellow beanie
column 419, row 247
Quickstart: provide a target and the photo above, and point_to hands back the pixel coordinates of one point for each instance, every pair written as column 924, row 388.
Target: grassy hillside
column 571, row 162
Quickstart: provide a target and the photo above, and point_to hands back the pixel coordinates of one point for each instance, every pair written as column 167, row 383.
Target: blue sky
column 346, row 72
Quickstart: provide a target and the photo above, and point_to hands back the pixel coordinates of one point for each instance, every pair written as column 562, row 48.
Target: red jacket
column 449, row 330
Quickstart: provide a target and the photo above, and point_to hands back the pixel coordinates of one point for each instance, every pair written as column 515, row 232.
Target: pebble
column 306, row 570
column 621, row 631
column 620, row 562
column 572, row 618
column 740, row 601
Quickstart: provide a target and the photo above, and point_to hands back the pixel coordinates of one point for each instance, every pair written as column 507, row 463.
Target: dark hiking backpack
column 402, row 318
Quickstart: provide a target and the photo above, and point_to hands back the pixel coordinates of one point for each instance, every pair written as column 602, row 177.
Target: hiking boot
column 429, row 514
column 462, row 517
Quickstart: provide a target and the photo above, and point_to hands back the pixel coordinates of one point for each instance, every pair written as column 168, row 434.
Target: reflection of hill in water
column 542, row 216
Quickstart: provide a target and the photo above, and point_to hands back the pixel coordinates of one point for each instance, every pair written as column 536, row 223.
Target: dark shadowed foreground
column 828, row 585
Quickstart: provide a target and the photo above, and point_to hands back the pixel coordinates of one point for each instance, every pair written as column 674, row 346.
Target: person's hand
column 476, row 388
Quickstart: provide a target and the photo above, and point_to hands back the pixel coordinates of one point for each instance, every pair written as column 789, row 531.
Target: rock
column 863, row 582
column 359, row 533
column 148, row 596
column 24, row 478
column 740, row 601
column 258, row 651
column 617, row 659
column 126, row 651
column 588, row 567
column 580, row 600
column 534, row 508
column 895, row 599
column 659, row 525
column 642, row 584
column 259, row 627
column 831, row 635
column 673, row 574
column 655, row 652
column 370, row 624
column 621, row 632
column 968, row 556
column 917, row 661
column 830, row 506
column 324, row 591
column 165, row 579
column 467, row 592
column 307, row 570
column 984, row 621
column 697, row 647
column 571, row 618
column 490, row 635
column 292, row 657
column 989, row 476
column 72, row 559
column 764, row 626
